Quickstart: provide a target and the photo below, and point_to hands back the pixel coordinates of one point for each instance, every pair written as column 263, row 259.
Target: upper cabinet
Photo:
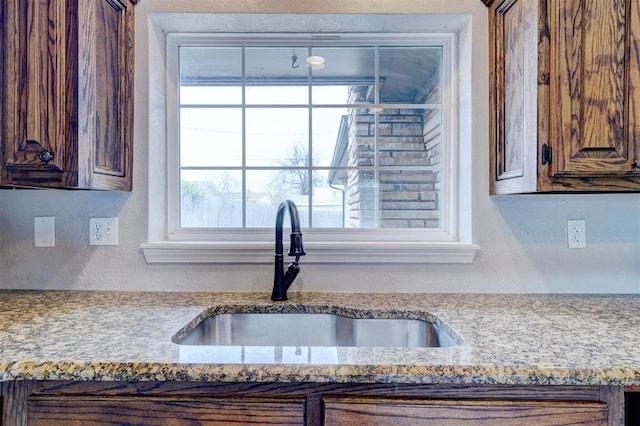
column 67, row 93
column 565, row 95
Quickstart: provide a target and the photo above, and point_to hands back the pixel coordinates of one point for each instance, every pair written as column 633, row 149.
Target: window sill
column 326, row 252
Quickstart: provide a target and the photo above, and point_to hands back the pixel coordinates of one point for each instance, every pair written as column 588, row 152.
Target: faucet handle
column 296, row 248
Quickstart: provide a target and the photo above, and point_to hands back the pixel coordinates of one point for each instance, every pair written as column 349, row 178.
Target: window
column 353, row 138
column 360, row 130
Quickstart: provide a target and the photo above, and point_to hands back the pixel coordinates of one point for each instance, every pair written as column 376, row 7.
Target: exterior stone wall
column 408, row 198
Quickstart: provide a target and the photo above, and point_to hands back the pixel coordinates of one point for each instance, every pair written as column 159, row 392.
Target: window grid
column 310, row 168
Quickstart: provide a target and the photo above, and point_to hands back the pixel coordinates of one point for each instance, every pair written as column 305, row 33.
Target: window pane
column 362, row 199
column 210, row 75
column 274, row 79
column 344, row 67
column 333, row 95
column 277, row 137
column 277, row 95
column 409, row 137
column 266, row 189
column 360, row 138
column 410, row 75
column 329, row 209
column 211, row 198
column 409, row 199
column 210, row 137
column 330, row 136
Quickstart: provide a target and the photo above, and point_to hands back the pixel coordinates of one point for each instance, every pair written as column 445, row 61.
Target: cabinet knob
column 635, row 164
column 45, row 156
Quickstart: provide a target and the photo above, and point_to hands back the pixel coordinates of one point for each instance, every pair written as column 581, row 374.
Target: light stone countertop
column 507, row 339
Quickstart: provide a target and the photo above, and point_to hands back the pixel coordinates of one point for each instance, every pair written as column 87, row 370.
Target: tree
column 295, row 180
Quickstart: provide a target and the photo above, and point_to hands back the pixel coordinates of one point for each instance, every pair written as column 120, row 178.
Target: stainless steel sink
column 314, row 329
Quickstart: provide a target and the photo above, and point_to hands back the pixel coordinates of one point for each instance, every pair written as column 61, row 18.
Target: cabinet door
column 519, row 94
column 35, row 81
column 383, row 412
column 91, row 411
column 565, row 95
column 595, row 103
column 67, row 93
column 105, row 93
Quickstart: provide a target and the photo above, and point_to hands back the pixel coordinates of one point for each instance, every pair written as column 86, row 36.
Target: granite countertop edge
column 287, row 373
column 507, row 339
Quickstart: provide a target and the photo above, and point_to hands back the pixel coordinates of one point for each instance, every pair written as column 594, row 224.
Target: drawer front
column 70, row 411
column 382, row 412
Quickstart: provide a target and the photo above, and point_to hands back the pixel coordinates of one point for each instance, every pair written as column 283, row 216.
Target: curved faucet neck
column 295, row 222
column 282, row 279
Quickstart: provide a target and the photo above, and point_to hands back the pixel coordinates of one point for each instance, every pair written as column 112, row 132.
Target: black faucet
column 282, row 280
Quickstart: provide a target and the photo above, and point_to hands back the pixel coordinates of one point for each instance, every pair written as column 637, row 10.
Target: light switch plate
column 103, row 231
column 44, row 234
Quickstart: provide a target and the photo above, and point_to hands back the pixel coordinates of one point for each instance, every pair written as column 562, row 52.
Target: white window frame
column 168, row 243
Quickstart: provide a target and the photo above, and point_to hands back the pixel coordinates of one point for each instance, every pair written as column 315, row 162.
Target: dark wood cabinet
column 565, row 95
column 453, row 412
column 67, row 93
column 87, row 411
column 216, row 403
column 632, row 405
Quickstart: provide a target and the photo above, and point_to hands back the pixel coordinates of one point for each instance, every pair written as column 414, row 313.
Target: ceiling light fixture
column 315, row 62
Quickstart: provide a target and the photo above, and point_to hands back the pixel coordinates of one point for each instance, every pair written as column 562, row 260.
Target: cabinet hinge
column 545, row 154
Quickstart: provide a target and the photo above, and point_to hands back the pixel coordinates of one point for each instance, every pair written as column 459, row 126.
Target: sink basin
column 314, row 329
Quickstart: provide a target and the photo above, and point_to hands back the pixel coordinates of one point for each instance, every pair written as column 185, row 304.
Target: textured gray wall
column 522, row 238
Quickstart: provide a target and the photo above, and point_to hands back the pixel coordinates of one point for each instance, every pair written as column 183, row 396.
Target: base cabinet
column 206, row 403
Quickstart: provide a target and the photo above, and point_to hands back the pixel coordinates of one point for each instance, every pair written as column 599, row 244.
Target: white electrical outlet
column 576, row 233
column 103, row 231
column 44, row 234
